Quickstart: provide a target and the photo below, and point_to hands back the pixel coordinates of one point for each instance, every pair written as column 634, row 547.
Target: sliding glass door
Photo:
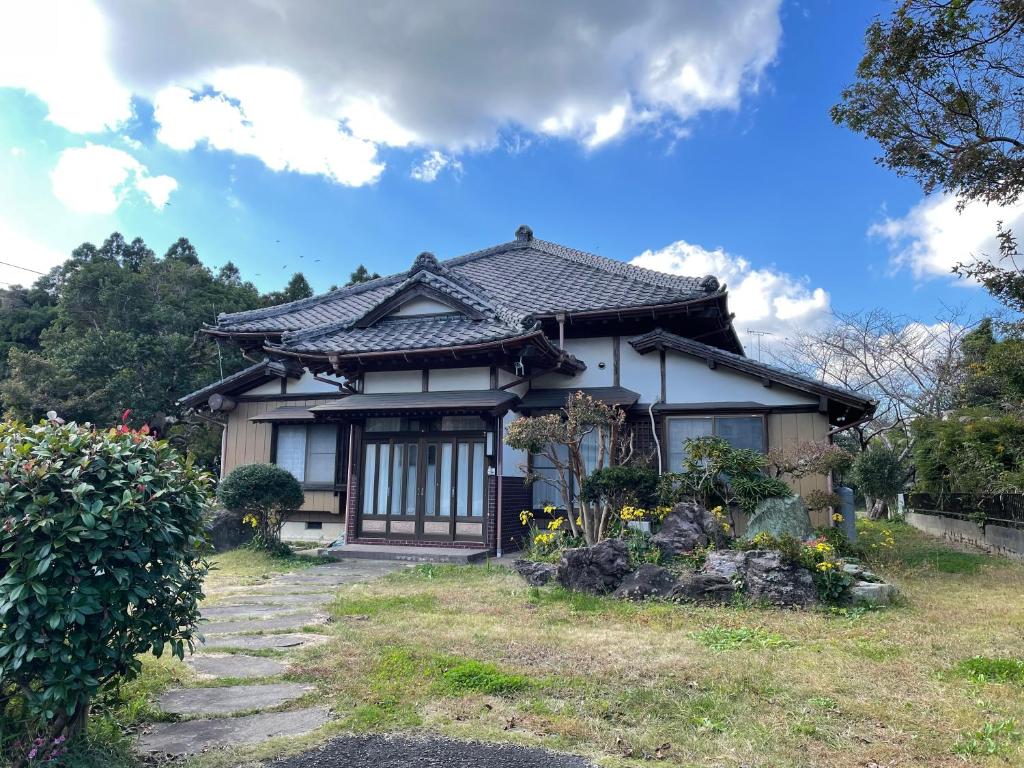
column 432, row 488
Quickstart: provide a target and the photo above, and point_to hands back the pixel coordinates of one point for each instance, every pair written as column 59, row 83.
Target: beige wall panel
column 788, row 430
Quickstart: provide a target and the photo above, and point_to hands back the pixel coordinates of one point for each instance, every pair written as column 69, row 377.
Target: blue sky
column 699, row 139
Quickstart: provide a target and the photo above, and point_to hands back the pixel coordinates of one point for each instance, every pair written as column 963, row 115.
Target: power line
column 18, row 266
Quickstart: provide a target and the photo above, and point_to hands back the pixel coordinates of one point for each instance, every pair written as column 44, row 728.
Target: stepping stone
column 248, row 611
column 273, row 600
column 193, row 736
column 230, row 699
column 236, row 666
column 263, row 642
column 296, row 621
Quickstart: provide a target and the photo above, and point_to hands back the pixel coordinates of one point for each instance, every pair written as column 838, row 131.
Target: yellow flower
column 543, row 538
column 579, row 521
column 555, row 524
column 549, row 509
column 826, row 566
column 661, row 512
column 837, row 518
column 525, row 516
column 632, row 513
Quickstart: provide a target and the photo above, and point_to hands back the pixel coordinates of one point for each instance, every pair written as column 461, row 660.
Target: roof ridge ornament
column 709, row 283
column 524, row 234
column 425, row 261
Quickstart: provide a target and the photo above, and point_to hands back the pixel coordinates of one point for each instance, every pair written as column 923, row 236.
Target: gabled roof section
column 245, row 379
column 525, row 277
column 854, row 405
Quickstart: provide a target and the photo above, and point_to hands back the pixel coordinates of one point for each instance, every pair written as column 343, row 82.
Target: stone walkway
column 281, row 614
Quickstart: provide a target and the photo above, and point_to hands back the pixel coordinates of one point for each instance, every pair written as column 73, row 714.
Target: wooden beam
column 616, row 341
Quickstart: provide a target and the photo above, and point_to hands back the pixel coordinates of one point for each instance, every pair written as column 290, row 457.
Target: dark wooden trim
column 664, row 387
column 425, row 380
column 290, row 396
column 494, row 377
column 273, row 443
column 284, row 385
column 616, row 343
column 416, row 291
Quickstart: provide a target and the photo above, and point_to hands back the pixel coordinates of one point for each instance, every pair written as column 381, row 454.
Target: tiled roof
column 263, row 371
column 514, row 280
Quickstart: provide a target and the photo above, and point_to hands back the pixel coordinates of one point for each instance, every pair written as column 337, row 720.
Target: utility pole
column 757, row 335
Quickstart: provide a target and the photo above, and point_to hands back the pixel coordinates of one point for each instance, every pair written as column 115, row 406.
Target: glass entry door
column 431, row 488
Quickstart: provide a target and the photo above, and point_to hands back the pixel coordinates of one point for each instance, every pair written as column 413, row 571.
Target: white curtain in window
column 323, row 448
column 291, row 449
column 741, row 431
column 681, row 430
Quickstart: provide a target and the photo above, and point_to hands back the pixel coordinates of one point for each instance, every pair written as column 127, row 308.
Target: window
column 546, row 491
column 314, row 526
column 308, row 451
column 738, row 431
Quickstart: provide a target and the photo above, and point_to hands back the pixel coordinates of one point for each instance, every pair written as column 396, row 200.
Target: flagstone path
column 281, row 614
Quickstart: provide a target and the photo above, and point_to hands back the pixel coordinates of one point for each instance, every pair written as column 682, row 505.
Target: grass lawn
column 472, row 652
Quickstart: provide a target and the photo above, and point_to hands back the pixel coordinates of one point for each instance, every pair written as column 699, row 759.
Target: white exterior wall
column 642, row 373
column 689, row 380
column 449, row 379
column 392, row 381
column 267, row 388
column 420, row 306
column 293, row 531
column 593, row 352
column 308, row 384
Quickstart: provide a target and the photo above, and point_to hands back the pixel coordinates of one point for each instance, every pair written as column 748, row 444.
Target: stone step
column 228, row 700
column 272, row 624
column 194, row 736
column 238, row 665
column 450, row 555
column 232, row 612
column 263, row 642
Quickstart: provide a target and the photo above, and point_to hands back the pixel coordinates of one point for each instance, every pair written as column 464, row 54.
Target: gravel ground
column 403, row 752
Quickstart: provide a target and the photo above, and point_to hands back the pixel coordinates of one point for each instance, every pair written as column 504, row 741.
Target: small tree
column 266, row 493
column 620, row 486
column 101, row 542
column 879, row 474
column 570, row 428
column 810, row 458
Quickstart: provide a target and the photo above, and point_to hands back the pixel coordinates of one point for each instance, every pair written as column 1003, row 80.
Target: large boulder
column 227, row 531
column 704, row 588
column 781, row 517
column 768, row 578
column 687, row 527
column 729, row 563
column 646, row 581
column 535, row 574
column 598, row 570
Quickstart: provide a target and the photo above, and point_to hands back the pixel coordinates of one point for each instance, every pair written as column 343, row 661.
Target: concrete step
column 451, row 555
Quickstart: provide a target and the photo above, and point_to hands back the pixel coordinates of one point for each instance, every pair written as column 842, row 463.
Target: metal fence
column 1004, row 509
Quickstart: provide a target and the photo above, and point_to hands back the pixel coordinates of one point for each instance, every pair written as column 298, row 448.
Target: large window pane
column 397, row 462
column 383, row 479
column 462, row 423
column 477, row 509
column 445, row 509
column 462, row 478
column 384, row 424
column 545, row 489
column 369, row 479
column 412, row 456
column 321, row 455
column 430, row 481
column 681, row 430
column 291, row 449
column 741, row 431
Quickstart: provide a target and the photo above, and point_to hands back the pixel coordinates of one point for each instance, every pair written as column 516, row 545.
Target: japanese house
column 387, row 399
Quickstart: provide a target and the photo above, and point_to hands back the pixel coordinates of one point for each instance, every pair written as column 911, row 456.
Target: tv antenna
column 757, row 335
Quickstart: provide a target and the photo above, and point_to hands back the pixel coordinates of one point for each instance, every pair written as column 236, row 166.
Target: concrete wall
column 994, row 538
column 452, row 379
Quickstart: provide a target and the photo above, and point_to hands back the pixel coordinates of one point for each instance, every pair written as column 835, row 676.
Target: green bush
column 621, row 486
column 101, row 559
column 716, row 474
column 266, row 493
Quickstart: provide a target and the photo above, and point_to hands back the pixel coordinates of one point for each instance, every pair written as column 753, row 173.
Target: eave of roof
column 660, row 339
column 256, row 374
column 551, row 399
column 465, row 401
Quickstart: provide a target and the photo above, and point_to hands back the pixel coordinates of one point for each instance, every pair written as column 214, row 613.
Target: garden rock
column 536, row 574
column 647, row 581
column 769, row 579
column 727, row 563
column 781, row 517
column 858, row 572
column 704, row 588
column 598, row 569
column 685, row 528
column 227, row 531
column 871, row 593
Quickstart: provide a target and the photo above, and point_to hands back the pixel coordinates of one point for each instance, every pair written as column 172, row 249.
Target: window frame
column 340, row 446
column 666, row 418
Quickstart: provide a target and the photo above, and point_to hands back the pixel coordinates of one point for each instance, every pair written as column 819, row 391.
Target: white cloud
column 428, row 169
column 19, row 248
column 17, row 151
column 263, row 112
column 97, row 179
column 60, row 52
column 763, row 299
column 317, row 87
column 933, row 237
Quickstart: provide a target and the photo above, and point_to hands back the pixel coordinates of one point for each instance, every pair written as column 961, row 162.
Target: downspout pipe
column 498, row 445
column 654, row 432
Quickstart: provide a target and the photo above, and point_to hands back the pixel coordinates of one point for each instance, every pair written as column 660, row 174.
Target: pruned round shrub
column 101, row 559
column 265, row 493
